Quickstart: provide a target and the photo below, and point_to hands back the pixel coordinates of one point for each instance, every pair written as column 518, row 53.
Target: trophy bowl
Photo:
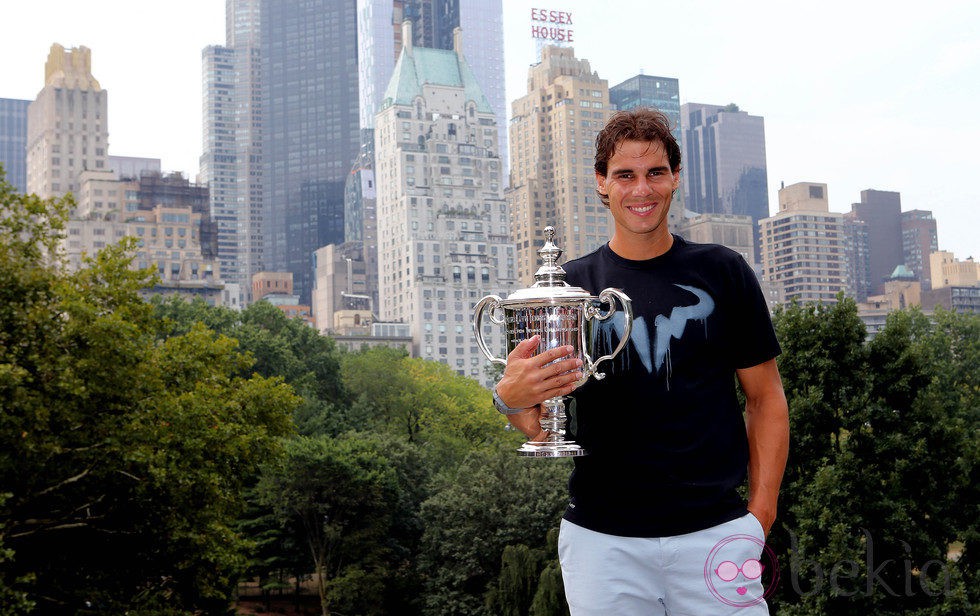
column 562, row 315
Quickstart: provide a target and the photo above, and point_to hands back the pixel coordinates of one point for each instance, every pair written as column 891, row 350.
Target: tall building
column 442, row 221
column 920, row 238
column 310, row 138
column 882, row 211
column 724, row 152
column 663, row 94
column 858, row 257
column 552, row 175
column 360, row 216
column 67, row 125
column 231, row 159
column 379, row 34
column 803, row 246
column 13, row 141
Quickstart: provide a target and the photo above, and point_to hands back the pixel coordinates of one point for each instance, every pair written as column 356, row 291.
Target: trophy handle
column 606, row 297
column 493, row 302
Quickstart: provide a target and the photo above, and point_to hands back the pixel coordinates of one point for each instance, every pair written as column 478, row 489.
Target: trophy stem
column 553, row 421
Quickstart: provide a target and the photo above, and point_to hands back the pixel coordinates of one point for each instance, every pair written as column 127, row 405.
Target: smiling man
column 668, row 444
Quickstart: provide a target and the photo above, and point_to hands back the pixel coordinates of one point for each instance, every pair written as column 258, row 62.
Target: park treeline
column 156, row 454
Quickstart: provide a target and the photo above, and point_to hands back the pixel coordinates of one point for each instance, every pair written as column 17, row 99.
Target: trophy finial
column 550, row 274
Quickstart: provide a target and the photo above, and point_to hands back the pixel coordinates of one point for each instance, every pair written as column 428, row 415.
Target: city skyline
column 844, row 92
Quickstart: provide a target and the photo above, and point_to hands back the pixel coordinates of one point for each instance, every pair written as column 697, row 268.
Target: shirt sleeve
column 754, row 340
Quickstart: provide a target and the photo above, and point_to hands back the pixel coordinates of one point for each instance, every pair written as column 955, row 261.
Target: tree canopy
column 125, row 448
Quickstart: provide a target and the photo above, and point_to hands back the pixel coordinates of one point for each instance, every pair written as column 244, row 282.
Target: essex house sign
column 548, row 26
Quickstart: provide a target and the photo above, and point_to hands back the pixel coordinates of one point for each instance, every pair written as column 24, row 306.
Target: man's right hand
column 531, row 379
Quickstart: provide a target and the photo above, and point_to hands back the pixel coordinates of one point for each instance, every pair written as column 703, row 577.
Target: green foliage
column 520, row 568
column 549, row 599
column 347, row 494
column 125, row 453
column 882, row 475
column 424, row 401
column 492, row 500
column 280, row 346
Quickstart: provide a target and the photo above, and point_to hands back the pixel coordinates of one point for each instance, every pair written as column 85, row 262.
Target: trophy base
column 546, row 449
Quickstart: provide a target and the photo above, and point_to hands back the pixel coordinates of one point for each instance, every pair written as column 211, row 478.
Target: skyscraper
column 920, row 238
column 13, row 141
column 310, row 129
column 443, row 224
column 858, row 256
column 360, row 216
column 724, row 152
column 552, row 175
column 379, row 32
column 67, row 125
column 663, row 94
column 231, row 162
column 882, row 211
column 803, row 256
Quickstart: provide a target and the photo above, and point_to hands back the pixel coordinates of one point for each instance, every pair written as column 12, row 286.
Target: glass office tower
column 310, row 129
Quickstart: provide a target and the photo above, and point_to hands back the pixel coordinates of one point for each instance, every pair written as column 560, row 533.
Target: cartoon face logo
column 734, row 567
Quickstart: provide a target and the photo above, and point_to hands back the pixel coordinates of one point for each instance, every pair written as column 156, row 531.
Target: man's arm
column 767, row 426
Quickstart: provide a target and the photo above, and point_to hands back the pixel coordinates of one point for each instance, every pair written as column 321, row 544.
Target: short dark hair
column 639, row 124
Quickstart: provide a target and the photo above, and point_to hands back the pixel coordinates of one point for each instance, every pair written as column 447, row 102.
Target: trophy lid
column 550, row 278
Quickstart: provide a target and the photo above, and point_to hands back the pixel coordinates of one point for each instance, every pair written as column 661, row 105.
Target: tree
column 520, row 569
column 350, row 495
column 125, row 450
column 281, row 347
column 492, row 500
column 882, row 476
column 549, row 598
column 425, row 401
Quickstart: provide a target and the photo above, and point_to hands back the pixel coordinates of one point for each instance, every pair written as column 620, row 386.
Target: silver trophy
column 562, row 315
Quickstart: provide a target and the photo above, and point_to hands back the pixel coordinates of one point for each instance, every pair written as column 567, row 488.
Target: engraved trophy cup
column 562, row 315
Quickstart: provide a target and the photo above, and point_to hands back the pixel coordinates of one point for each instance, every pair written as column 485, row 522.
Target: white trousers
column 711, row 572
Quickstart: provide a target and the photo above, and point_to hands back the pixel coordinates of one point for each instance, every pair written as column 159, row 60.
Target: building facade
column 231, row 159
column 13, row 141
column 858, row 256
column 310, row 137
column 341, row 302
column 803, row 247
column 443, row 225
column 948, row 271
column 724, row 153
column 552, row 176
column 67, row 124
column 379, row 31
column 882, row 211
column 735, row 232
column 360, row 215
column 920, row 238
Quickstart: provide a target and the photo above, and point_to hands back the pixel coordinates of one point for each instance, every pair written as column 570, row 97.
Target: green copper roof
column 433, row 67
column 901, row 271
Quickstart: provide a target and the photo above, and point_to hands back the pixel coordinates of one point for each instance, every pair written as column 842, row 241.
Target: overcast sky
column 856, row 95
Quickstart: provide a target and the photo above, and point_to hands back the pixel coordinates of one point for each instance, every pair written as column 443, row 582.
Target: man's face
column 640, row 185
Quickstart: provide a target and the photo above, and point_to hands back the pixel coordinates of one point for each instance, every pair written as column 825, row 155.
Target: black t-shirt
column 664, row 430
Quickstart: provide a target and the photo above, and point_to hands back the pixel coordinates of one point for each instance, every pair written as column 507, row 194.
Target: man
column 668, row 445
